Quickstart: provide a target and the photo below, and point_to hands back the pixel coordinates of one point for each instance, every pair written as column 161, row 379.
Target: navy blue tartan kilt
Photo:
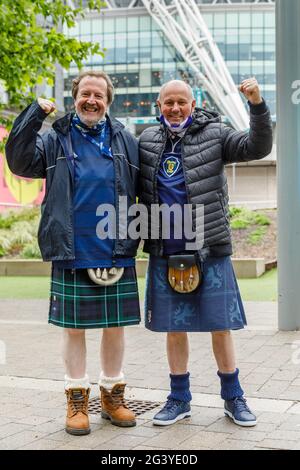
column 77, row 302
column 215, row 306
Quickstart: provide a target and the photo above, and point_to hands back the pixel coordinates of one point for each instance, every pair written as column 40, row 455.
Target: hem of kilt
column 202, row 330
column 94, row 326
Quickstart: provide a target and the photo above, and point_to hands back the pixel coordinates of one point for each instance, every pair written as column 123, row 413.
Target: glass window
column 97, row 39
column 109, row 41
column 85, row 27
column 69, row 104
column 145, row 39
column 109, row 57
column 145, row 54
column 145, row 23
column 219, row 34
column 270, row 37
column 157, row 54
column 145, row 77
column 157, row 39
column 121, row 55
column 133, row 24
column 270, row 20
column 98, row 59
column 258, row 38
column 232, row 51
column 257, row 52
column 232, row 20
column 156, row 78
column 125, row 80
column 245, row 20
column 133, row 55
column 140, row 104
column 232, row 36
column 121, row 24
column 244, row 52
column 132, row 39
column 258, row 19
column 244, row 38
column 109, row 25
column 257, row 69
column 168, row 56
column 219, row 20
column 97, row 26
column 208, row 18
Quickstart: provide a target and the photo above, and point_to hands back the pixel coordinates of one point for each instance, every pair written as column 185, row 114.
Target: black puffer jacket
column 50, row 155
column 206, row 147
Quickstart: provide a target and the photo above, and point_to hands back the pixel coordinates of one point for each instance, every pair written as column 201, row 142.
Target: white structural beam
column 183, row 25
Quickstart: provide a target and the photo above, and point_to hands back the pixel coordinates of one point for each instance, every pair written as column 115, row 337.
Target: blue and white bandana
column 176, row 128
column 100, row 131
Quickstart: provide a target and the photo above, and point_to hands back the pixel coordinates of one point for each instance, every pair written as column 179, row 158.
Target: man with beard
column 88, row 159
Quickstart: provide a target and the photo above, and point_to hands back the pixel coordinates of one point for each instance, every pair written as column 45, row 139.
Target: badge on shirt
column 171, row 166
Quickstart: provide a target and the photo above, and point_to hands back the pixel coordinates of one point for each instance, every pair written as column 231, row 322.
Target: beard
column 89, row 122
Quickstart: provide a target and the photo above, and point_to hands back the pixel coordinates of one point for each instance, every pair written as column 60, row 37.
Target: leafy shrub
column 256, row 236
column 7, row 219
column 242, row 218
column 234, row 211
column 31, row 250
column 18, row 229
column 239, row 223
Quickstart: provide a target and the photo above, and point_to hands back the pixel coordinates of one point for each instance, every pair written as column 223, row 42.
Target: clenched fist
column 47, row 105
column 250, row 90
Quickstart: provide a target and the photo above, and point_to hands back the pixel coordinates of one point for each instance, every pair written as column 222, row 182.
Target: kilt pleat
column 77, row 302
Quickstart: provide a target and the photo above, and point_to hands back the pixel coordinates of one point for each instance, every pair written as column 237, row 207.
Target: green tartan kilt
column 77, row 302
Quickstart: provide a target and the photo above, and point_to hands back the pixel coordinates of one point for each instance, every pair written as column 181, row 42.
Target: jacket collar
column 62, row 125
column 201, row 117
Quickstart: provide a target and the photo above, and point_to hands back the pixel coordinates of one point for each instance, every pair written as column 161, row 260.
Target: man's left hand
column 250, row 90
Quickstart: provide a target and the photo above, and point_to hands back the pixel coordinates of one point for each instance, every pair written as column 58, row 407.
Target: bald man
column 182, row 162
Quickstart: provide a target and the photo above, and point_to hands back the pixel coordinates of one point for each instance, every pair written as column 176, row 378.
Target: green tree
column 32, row 42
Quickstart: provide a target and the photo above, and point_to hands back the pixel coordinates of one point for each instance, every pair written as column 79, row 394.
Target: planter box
column 248, row 268
column 244, row 268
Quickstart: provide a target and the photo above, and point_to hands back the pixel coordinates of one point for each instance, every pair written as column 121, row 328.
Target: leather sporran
column 184, row 273
column 105, row 276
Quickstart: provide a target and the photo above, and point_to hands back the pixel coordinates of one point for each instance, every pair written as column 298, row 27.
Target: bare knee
column 177, row 337
column 221, row 334
column 74, row 332
column 115, row 331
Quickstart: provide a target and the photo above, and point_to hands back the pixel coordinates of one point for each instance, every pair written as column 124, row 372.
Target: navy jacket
column 50, row 155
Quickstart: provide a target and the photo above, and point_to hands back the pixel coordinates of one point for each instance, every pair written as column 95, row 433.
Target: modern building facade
column 139, row 58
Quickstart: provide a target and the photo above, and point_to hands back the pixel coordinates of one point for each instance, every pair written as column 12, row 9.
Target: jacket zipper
column 116, row 202
column 156, row 198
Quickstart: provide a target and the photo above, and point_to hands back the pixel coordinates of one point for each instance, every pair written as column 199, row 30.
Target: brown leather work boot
column 77, row 421
column 114, row 407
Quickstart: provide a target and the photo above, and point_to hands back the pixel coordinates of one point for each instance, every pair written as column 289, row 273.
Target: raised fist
column 47, row 105
column 250, row 90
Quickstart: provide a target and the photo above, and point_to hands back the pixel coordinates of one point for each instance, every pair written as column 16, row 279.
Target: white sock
column 77, row 383
column 109, row 382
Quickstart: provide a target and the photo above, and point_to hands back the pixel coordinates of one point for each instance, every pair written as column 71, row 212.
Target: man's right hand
column 47, row 105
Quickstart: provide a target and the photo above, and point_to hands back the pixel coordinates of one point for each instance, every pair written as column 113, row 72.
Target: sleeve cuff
column 260, row 108
column 41, row 113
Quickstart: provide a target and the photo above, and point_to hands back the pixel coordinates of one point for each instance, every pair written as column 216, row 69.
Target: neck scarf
column 101, row 131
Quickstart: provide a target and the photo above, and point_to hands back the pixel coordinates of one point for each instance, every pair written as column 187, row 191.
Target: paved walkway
column 32, row 402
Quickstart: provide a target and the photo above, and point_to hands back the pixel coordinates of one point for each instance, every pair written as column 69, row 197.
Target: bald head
column 175, row 85
column 176, row 101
